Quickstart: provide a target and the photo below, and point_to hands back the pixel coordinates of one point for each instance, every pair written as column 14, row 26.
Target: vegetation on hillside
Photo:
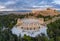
column 8, row 21
column 54, row 30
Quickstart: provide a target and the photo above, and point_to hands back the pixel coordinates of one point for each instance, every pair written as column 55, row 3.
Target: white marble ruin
column 29, row 26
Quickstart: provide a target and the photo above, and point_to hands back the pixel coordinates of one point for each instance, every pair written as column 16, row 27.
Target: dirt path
column 52, row 20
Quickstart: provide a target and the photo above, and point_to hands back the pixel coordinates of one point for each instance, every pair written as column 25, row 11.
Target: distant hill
column 18, row 11
column 58, row 10
column 46, row 12
column 15, row 12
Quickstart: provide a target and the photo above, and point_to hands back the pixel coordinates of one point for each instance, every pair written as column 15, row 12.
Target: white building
column 30, row 26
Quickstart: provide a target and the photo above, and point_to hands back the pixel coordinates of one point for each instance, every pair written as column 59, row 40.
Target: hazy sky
column 28, row 4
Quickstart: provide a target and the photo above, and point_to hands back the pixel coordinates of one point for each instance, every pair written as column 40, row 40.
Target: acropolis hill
column 46, row 12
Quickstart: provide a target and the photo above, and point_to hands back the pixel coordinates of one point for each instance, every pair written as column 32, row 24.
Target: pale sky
column 11, row 5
